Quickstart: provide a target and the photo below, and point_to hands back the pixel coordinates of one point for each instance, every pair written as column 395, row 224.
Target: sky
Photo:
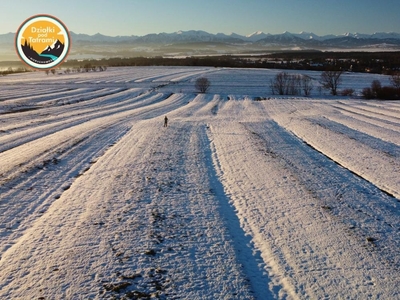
column 141, row 17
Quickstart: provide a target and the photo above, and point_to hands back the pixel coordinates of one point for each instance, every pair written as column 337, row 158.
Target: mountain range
column 197, row 42
column 256, row 37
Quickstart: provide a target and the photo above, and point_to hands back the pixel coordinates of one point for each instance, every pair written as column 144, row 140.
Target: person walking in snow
column 165, row 121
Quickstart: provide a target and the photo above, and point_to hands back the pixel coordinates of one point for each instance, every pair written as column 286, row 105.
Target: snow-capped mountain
column 376, row 35
column 285, row 38
column 187, row 36
column 307, row 36
column 256, row 36
column 98, row 37
column 385, row 35
column 203, row 36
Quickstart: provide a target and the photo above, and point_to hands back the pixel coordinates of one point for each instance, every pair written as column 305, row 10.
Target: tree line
column 373, row 62
column 298, row 84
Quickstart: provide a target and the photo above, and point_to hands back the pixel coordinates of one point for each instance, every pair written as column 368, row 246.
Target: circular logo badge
column 42, row 42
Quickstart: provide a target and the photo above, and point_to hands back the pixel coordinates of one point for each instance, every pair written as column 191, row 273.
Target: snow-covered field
column 287, row 198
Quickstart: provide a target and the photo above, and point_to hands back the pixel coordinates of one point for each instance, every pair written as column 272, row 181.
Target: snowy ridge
column 284, row 198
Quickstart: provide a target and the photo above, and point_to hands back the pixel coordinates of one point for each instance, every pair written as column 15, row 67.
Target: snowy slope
column 287, row 198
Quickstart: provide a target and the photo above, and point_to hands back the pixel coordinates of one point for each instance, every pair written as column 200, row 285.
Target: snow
column 286, row 198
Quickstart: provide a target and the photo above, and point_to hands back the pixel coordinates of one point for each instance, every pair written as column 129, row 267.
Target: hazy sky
column 140, row 17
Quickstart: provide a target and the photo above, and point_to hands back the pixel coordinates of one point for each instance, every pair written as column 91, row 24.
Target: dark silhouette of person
column 165, row 121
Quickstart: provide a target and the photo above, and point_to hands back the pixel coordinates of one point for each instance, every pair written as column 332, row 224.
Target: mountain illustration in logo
column 56, row 49
column 50, row 54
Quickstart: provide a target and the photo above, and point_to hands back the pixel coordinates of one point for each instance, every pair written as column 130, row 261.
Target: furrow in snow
column 371, row 113
column 289, row 214
column 32, row 151
column 70, row 117
column 374, row 165
column 368, row 126
column 144, row 219
column 26, row 198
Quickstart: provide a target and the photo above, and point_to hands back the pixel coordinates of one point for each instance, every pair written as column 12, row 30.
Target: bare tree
column 330, row 80
column 279, row 83
column 202, row 84
column 376, row 88
column 291, row 84
column 294, row 85
column 395, row 80
column 307, row 85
